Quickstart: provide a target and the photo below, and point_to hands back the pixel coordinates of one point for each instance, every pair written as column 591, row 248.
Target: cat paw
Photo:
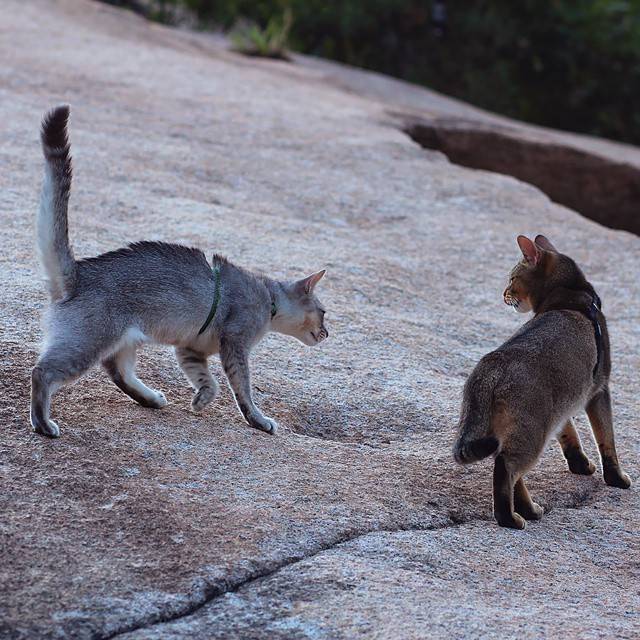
column 513, row 521
column 615, row 477
column 532, row 512
column 151, row 399
column 48, row 428
column 203, row 397
column 581, row 465
column 264, row 424
column 159, row 400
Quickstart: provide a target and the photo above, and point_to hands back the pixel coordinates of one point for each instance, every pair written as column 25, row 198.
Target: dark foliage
column 561, row 63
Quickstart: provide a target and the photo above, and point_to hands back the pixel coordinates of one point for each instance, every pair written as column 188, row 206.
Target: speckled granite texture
column 353, row 521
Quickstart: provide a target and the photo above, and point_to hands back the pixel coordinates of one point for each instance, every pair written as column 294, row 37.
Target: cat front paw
column 203, row 397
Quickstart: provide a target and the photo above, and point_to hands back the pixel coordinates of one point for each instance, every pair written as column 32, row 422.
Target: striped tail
column 52, row 233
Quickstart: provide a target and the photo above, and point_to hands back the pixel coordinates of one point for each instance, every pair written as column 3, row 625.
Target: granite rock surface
column 353, row 521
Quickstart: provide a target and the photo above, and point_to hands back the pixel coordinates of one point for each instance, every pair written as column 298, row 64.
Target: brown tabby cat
column 526, row 391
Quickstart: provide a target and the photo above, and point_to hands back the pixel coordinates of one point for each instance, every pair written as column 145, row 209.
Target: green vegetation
column 562, row 63
column 250, row 38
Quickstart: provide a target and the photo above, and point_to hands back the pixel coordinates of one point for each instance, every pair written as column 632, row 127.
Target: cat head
column 541, row 270
column 299, row 313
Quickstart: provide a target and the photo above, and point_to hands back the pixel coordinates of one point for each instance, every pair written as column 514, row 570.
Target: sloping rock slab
column 416, row 584
column 135, row 518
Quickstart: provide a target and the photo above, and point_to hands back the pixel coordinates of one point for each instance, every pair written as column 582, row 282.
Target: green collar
column 216, row 300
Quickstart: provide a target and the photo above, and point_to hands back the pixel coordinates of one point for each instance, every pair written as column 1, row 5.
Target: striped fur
column 54, row 250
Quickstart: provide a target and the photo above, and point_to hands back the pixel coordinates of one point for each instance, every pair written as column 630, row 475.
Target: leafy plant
column 271, row 42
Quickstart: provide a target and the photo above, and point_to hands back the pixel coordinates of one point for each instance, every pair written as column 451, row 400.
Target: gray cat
column 105, row 308
column 527, row 390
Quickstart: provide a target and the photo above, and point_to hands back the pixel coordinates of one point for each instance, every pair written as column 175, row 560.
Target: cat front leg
column 235, row 361
column 601, row 418
column 195, row 367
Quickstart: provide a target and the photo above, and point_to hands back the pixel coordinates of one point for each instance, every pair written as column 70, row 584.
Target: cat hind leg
column 120, row 366
column 523, row 504
column 63, row 362
column 512, row 504
column 503, row 495
column 44, row 383
column 577, row 460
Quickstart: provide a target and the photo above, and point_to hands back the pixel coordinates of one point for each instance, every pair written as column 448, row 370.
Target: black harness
column 592, row 314
column 590, row 310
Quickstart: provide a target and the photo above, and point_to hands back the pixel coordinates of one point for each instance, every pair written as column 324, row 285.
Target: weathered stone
column 167, row 524
column 604, row 190
column 598, row 178
column 419, row 584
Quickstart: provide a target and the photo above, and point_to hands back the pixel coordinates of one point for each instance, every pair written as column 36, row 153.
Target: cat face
column 303, row 315
column 516, row 295
column 541, row 270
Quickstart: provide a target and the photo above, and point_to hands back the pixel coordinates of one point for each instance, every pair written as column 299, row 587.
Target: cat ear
column 529, row 250
column 307, row 285
column 545, row 244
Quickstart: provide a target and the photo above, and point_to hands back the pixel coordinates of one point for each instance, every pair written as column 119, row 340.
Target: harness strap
column 568, row 302
column 597, row 329
column 216, row 300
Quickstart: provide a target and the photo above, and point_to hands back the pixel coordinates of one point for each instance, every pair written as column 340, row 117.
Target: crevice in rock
column 269, row 569
column 453, row 519
column 599, row 188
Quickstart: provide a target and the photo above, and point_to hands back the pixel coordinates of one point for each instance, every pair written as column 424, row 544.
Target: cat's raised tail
column 52, row 232
column 475, row 440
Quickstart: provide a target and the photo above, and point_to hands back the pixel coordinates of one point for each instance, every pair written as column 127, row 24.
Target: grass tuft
column 248, row 38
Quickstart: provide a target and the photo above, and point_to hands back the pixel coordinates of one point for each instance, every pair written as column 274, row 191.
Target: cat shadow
column 371, row 426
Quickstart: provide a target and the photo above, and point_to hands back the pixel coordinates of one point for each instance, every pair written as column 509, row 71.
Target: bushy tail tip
column 54, row 136
column 466, row 452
